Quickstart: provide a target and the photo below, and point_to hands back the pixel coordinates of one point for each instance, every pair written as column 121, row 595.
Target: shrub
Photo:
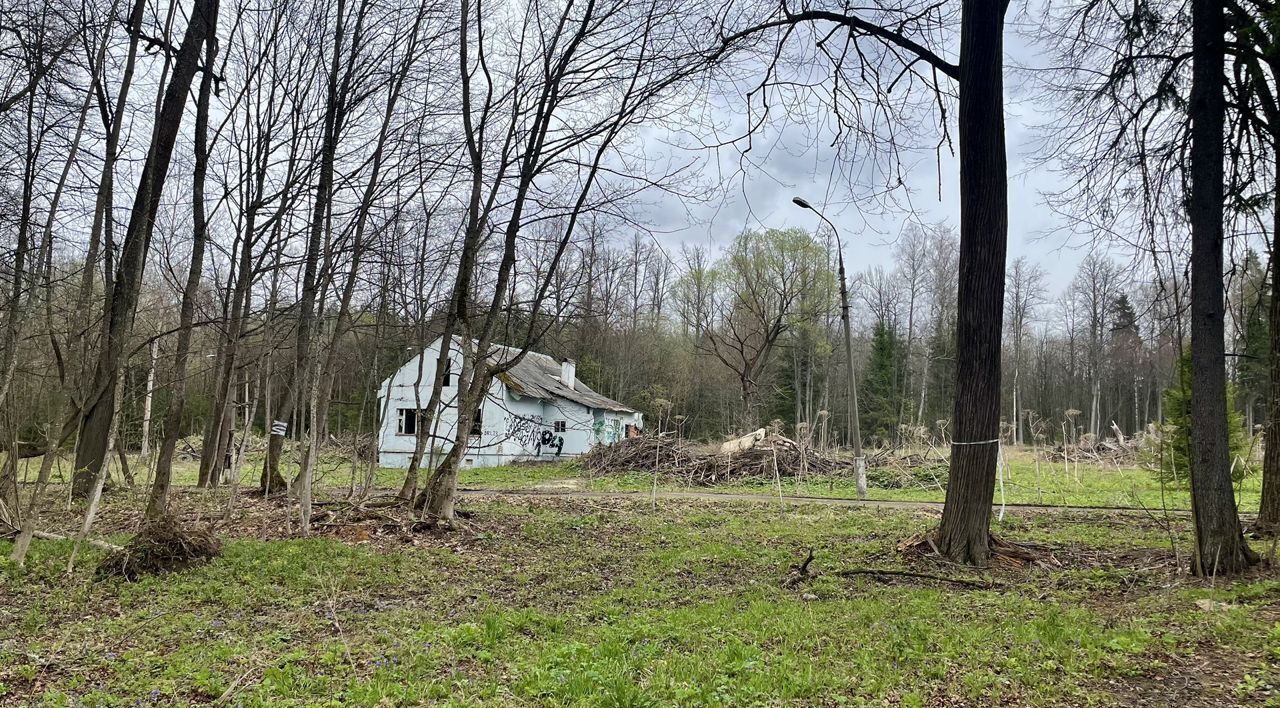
column 1168, row 452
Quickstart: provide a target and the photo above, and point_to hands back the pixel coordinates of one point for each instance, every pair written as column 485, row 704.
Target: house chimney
column 567, row 373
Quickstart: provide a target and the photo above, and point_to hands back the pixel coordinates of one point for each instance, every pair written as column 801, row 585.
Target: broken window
column 477, row 424
column 406, row 421
column 560, row 426
column 448, row 375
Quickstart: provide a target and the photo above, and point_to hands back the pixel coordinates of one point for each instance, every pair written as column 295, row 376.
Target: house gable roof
column 537, row 375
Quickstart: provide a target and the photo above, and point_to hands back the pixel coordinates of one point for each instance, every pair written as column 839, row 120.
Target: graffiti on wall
column 606, row 431
column 532, row 435
column 525, row 431
column 549, row 441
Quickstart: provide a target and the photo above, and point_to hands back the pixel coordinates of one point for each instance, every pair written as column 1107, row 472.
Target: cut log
column 746, row 442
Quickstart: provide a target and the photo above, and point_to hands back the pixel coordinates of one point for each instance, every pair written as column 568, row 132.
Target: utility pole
column 855, row 428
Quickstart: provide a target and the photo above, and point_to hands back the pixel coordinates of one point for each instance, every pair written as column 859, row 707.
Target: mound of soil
column 164, row 545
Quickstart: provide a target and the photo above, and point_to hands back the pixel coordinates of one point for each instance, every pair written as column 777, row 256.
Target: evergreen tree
column 878, row 392
column 940, row 388
column 1125, row 358
column 1253, row 346
column 1170, row 456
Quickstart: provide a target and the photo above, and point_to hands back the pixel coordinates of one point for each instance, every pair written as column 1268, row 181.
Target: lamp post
column 855, row 429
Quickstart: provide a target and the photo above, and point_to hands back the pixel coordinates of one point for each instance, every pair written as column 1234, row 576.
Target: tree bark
column 964, row 534
column 158, row 501
column 99, row 411
column 144, row 450
column 1269, row 512
column 333, row 117
column 1220, row 545
column 438, row 497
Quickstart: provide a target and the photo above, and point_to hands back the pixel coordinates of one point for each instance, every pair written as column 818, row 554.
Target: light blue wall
column 513, row 427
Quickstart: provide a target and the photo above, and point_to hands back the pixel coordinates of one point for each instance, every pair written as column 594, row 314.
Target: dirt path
column 568, row 492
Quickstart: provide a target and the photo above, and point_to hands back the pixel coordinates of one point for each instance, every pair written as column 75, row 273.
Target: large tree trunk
column 22, row 255
column 425, row 421
column 964, row 535
column 1220, row 545
column 438, row 497
column 1269, row 513
column 158, row 502
column 98, row 415
column 104, row 202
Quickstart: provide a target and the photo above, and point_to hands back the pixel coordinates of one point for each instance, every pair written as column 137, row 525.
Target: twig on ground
column 104, row 545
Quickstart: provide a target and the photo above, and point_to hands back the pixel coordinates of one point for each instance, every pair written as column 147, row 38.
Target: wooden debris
column 774, row 456
column 161, row 546
column 746, row 442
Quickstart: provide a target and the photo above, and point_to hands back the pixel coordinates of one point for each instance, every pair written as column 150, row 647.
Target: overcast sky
column 790, row 163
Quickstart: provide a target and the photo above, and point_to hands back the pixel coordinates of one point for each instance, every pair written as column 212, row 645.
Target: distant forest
column 709, row 345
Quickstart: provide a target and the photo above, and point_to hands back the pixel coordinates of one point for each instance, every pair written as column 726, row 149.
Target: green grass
column 616, row 603
column 1024, row 483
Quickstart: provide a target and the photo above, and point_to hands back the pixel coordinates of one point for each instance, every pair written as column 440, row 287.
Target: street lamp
column 859, row 462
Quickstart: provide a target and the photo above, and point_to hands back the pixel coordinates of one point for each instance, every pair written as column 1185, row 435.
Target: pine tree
column 1170, row 456
column 878, row 392
column 1125, row 358
column 1254, row 360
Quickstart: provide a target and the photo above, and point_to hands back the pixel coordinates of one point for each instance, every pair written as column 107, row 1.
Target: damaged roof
column 538, row 376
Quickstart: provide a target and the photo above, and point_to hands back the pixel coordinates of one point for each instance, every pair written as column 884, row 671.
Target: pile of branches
column 162, row 545
column 1103, row 452
column 886, row 469
column 363, row 447
column 774, row 456
column 1117, row 448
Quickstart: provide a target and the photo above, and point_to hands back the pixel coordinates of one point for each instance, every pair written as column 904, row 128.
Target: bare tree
column 98, row 415
column 158, row 501
column 529, row 135
column 1026, row 288
column 905, row 34
column 1094, row 288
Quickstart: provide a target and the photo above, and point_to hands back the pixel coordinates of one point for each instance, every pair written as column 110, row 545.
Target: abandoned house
column 537, row 409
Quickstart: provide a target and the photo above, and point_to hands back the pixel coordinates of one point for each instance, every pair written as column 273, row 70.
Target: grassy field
column 589, row 602
column 1025, row 482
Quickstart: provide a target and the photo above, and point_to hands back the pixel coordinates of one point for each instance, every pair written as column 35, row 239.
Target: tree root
column 1003, row 552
